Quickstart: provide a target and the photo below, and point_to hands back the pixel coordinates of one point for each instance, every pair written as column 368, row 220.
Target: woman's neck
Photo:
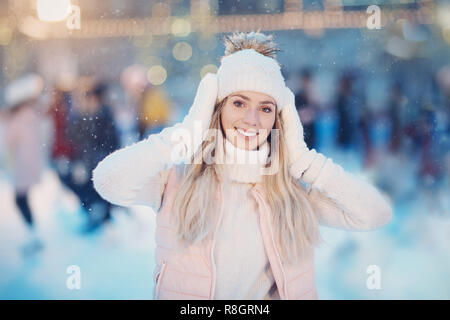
column 242, row 165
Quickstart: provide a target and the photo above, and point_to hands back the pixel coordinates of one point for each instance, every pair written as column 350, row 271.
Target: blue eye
column 268, row 109
column 239, row 104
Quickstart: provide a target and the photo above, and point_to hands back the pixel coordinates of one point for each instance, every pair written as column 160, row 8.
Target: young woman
column 239, row 206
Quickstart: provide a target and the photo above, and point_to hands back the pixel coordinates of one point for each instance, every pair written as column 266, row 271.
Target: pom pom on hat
column 260, row 42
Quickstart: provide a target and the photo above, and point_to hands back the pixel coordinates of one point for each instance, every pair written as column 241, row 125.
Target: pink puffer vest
column 190, row 273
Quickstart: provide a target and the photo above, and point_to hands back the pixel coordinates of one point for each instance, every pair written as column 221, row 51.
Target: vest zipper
column 276, row 251
column 159, row 278
column 279, row 261
column 212, row 246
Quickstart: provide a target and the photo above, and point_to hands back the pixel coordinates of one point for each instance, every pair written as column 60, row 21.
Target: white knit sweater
column 137, row 175
column 239, row 236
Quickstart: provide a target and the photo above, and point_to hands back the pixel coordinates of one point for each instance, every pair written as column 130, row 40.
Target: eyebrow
column 247, row 99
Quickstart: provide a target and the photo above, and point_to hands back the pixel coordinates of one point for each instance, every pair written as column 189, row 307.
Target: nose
column 251, row 117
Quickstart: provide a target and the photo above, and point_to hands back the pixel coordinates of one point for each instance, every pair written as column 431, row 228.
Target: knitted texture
column 248, row 70
column 242, row 165
column 239, row 236
column 138, row 175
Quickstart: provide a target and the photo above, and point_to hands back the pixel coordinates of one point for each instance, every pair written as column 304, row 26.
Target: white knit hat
column 23, row 89
column 249, row 70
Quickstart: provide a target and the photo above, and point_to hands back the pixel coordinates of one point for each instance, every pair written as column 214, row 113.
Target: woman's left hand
column 298, row 152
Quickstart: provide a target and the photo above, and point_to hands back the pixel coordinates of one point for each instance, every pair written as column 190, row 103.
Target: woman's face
column 247, row 118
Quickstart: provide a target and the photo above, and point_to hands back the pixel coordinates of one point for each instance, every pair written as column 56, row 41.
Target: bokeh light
column 182, row 51
column 181, row 27
column 209, row 68
column 156, row 75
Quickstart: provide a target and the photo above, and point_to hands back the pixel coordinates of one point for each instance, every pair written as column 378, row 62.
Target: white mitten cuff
column 308, row 166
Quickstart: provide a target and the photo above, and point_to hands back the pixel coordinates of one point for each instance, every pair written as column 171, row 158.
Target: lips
column 247, row 133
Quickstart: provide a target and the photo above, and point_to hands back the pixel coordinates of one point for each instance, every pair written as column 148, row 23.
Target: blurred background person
column 430, row 171
column 24, row 147
column 133, row 80
column 396, row 105
column 307, row 106
column 365, row 124
column 63, row 148
column 345, row 111
column 155, row 111
column 95, row 136
column 443, row 120
column 149, row 104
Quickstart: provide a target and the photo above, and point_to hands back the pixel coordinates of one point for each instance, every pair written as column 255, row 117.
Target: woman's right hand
column 134, row 174
column 303, row 162
column 192, row 129
column 299, row 156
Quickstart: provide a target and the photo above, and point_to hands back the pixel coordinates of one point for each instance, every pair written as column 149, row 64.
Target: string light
column 182, row 27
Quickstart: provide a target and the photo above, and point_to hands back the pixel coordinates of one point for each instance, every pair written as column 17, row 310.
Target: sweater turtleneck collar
column 242, row 165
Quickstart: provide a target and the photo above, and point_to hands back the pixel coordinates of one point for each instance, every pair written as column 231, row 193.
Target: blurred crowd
column 86, row 124
column 91, row 118
column 419, row 131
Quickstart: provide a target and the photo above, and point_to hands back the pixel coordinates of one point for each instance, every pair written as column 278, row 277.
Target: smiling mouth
column 248, row 133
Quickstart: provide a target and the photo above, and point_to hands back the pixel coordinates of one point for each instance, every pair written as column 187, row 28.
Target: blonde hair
column 195, row 211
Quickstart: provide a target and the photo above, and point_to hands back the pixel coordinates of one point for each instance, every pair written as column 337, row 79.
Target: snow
column 116, row 263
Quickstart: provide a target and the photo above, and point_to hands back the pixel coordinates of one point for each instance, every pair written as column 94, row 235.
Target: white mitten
column 189, row 134
column 129, row 173
column 300, row 157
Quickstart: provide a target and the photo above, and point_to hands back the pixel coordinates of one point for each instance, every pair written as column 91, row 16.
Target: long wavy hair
column 195, row 209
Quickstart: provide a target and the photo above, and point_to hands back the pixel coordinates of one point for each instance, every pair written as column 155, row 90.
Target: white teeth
column 247, row 134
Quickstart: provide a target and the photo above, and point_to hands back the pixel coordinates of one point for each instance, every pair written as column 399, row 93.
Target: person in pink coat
column 238, row 194
column 24, row 146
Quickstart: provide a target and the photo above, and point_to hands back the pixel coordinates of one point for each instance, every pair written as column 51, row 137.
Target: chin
column 247, row 146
